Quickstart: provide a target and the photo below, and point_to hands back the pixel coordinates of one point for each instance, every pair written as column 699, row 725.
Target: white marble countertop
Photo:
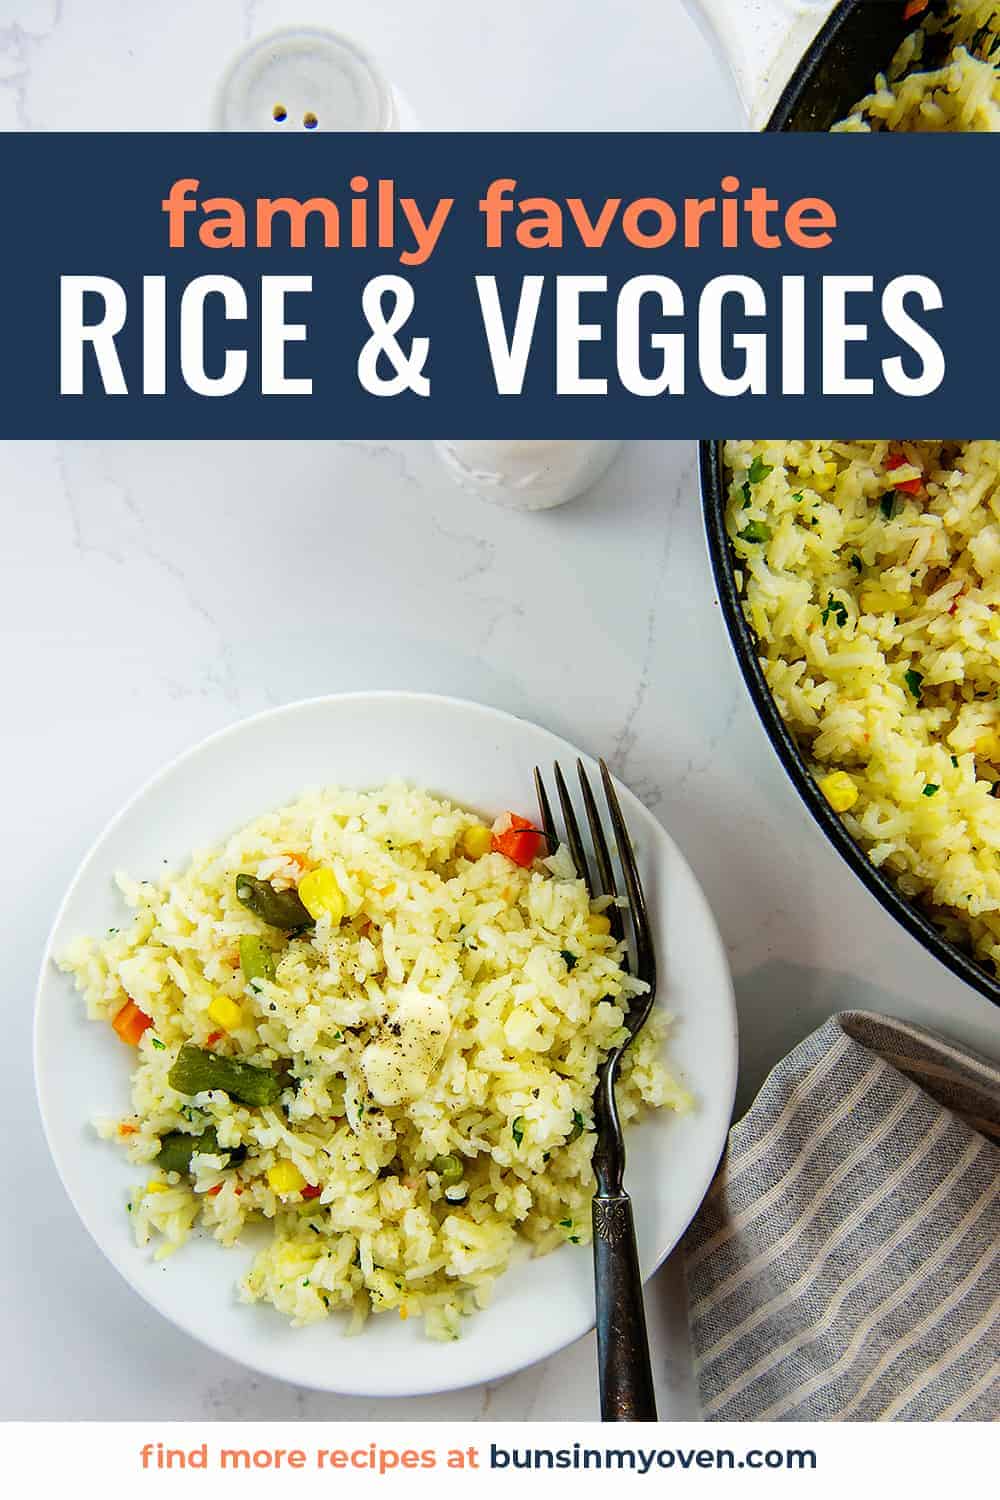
column 151, row 593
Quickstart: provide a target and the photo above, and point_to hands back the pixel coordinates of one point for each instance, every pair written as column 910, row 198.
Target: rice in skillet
column 944, row 77
column 872, row 576
column 872, row 581
column 426, row 1053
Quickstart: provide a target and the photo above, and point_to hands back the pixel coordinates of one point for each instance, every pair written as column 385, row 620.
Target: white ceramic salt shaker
column 528, row 474
column 306, row 78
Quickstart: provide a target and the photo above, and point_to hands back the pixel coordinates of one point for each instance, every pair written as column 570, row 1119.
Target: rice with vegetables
column 944, row 77
column 871, row 574
column 871, row 577
column 374, row 1024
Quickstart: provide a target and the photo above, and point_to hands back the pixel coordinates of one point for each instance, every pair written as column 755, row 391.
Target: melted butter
column 397, row 1067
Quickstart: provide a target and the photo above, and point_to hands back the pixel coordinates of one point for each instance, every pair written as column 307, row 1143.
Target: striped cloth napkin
column 844, row 1266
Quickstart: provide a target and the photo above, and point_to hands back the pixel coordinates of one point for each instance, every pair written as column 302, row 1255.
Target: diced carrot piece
column 517, row 838
column 913, row 8
column 309, row 1191
column 213, row 1037
column 130, row 1023
column 214, row 1192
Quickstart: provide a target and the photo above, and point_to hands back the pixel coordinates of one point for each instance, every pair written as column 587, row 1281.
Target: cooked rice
column 532, row 994
column 878, row 620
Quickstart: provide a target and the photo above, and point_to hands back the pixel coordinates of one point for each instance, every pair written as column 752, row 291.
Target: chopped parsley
column 578, row 1127
column 954, row 760
column 745, row 492
column 517, row 1130
column 798, row 497
column 755, row 531
column 160, row 1046
column 856, row 562
column 914, row 681
column 759, row 470
column 569, row 959
column 887, row 504
column 931, row 788
column 837, row 609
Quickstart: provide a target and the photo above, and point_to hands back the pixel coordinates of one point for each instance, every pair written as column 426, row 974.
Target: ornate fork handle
column 626, row 1379
column 625, row 1376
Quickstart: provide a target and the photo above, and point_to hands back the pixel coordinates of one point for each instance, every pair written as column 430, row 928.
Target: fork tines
column 605, row 884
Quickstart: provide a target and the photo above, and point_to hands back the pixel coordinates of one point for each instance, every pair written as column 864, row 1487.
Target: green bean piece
column 256, row 958
column 277, row 908
column 177, row 1149
column 448, row 1168
column 196, row 1070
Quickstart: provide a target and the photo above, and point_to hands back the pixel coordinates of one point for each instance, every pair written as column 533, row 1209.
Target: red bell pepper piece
column 906, row 486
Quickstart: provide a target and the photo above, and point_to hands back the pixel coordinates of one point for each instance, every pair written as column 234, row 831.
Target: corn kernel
column 225, row 1013
column 285, row 1177
column 157, row 1187
column 839, row 790
column 600, row 923
column 321, row 895
column 877, row 601
column 824, row 478
column 477, row 841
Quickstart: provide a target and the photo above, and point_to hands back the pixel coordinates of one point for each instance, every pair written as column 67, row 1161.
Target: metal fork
column 626, row 1380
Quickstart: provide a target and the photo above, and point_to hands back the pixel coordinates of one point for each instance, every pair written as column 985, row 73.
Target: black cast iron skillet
column 857, row 41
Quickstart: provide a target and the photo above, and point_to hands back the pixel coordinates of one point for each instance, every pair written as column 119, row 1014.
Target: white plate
column 480, row 758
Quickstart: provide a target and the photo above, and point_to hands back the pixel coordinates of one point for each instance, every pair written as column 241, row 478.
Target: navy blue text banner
column 471, row 286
